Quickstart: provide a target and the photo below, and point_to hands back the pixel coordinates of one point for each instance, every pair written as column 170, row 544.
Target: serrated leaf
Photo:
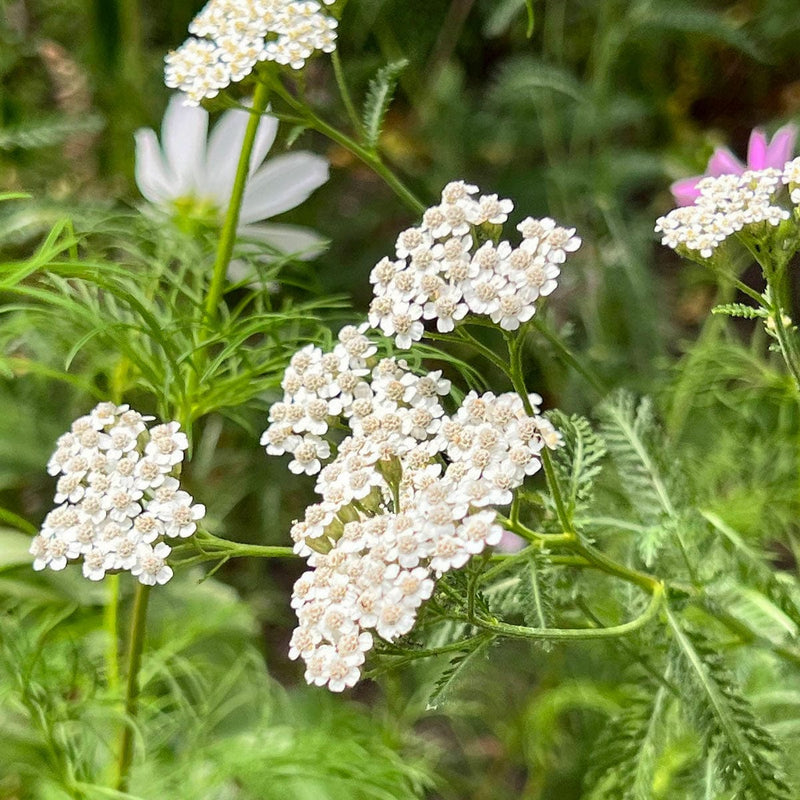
column 458, row 670
column 47, row 132
column 577, row 462
column 743, row 747
column 740, row 310
column 379, row 97
column 523, row 77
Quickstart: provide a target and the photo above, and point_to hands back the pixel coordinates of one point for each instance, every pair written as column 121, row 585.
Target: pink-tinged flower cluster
column 761, row 155
column 118, row 497
column 409, row 495
column 442, row 272
column 728, row 205
column 231, row 36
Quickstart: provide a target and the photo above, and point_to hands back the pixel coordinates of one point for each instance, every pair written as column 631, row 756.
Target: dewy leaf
column 379, row 97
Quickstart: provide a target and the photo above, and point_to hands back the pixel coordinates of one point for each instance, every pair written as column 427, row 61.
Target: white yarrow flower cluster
column 409, row 495
column 728, row 204
column 118, row 497
column 229, row 37
column 791, row 177
column 441, row 274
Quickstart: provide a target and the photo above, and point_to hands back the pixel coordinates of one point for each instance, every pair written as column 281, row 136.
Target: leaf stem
column 344, row 92
column 370, row 158
column 567, row 634
column 135, row 647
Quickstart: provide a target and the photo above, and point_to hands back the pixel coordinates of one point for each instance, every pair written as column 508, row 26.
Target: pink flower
column 760, row 155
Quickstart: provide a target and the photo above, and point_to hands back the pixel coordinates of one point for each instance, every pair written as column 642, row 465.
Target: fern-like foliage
column 379, row 97
column 47, row 131
column 740, row 310
column 459, row 669
column 648, row 473
column 578, row 462
column 745, row 754
column 624, row 759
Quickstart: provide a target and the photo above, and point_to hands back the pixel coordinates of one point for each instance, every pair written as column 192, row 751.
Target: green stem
column 368, row 157
column 111, row 625
column 570, row 358
column 135, row 647
column 344, row 92
column 228, row 233
column 566, row 634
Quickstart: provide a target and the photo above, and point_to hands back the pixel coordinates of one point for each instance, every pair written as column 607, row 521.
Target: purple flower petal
column 757, row 150
column 685, row 191
column 723, row 162
column 781, row 148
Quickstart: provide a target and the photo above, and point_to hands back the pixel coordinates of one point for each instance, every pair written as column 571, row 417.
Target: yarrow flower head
column 191, row 174
column 231, row 36
column 408, row 495
column 761, row 155
column 454, row 264
column 729, row 204
column 118, row 497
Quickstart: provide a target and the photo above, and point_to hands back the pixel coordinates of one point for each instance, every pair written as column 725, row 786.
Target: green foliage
column 46, row 132
column 743, row 752
column 740, row 310
column 379, row 97
column 578, row 461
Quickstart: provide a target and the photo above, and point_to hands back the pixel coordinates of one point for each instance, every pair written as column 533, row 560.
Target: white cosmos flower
column 192, row 170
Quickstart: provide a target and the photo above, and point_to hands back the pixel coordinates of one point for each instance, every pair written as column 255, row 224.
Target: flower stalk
column 228, row 233
column 135, row 648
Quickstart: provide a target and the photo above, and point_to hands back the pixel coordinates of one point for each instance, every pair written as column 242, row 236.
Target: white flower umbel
column 191, row 173
column 442, row 273
column 235, row 35
column 118, row 496
column 727, row 205
column 408, row 496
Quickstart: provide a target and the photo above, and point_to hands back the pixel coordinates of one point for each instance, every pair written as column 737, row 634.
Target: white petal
column 265, row 136
column 183, row 137
column 152, row 176
column 294, row 240
column 282, row 183
column 222, row 156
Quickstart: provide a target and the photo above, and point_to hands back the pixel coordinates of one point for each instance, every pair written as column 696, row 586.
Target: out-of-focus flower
column 761, row 154
column 234, row 35
column 191, row 174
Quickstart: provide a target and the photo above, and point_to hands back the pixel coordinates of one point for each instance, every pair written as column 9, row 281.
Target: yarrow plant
column 424, row 465
column 757, row 210
column 451, row 266
column 729, row 204
column 231, row 36
column 409, row 495
column 118, row 497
